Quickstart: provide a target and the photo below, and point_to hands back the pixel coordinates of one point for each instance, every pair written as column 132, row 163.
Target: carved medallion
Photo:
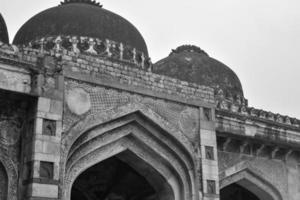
column 188, row 122
column 78, row 101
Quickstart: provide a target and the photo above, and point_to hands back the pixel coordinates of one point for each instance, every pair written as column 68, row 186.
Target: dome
column 3, row 31
column 191, row 64
column 81, row 18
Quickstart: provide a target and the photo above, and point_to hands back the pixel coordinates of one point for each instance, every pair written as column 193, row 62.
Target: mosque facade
column 86, row 115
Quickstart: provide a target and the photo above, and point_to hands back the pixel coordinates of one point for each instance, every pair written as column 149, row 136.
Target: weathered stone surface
column 44, row 190
column 14, row 79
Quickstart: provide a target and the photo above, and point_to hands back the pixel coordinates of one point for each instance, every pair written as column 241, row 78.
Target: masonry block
column 44, row 104
column 44, row 190
column 56, row 107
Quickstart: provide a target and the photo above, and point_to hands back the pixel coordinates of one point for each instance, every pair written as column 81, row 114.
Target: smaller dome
column 3, row 31
column 192, row 64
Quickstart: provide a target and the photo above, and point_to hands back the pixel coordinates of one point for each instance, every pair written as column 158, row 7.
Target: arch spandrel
column 140, row 131
column 91, row 121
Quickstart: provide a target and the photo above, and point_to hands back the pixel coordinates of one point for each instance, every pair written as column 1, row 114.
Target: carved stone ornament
column 78, row 101
column 61, row 44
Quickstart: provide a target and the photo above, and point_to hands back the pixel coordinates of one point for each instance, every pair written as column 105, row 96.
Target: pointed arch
column 91, row 121
column 143, row 135
column 251, row 180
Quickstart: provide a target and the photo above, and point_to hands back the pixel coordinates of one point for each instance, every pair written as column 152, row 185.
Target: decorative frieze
column 60, row 45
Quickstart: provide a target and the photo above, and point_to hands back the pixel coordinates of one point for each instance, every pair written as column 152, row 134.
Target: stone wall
column 99, row 71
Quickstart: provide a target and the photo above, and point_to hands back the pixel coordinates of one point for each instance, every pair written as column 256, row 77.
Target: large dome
column 3, row 31
column 81, row 18
column 191, row 64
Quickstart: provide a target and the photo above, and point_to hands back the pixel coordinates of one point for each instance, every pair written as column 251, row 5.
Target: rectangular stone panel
column 44, row 190
column 14, row 79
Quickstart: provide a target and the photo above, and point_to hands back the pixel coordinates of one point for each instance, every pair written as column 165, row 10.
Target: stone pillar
column 41, row 177
column 209, row 159
column 45, row 157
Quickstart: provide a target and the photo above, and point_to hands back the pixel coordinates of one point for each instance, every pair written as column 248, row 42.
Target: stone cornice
column 268, row 118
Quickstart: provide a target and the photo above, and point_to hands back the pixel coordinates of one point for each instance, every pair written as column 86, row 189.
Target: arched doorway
column 162, row 163
column 247, row 184
column 112, row 179
column 237, row 192
column 3, row 183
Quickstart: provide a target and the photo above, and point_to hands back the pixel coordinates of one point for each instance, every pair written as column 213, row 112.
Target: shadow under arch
column 135, row 139
column 136, row 188
column 253, row 182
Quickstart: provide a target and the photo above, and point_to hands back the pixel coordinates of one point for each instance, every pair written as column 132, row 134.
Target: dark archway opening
column 237, row 192
column 112, row 179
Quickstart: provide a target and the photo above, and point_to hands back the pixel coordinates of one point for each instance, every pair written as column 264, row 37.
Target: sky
column 258, row 39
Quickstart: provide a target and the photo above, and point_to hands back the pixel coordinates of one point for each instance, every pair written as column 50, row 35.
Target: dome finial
column 188, row 48
column 91, row 2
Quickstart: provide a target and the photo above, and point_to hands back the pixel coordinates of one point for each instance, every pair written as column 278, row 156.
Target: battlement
column 236, row 106
column 92, row 60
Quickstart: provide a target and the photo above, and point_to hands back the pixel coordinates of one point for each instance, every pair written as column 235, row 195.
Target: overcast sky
column 258, row 39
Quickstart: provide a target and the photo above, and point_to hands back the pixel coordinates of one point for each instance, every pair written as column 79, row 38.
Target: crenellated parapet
column 81, row 58
column 239, row 105
column 74, row 45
